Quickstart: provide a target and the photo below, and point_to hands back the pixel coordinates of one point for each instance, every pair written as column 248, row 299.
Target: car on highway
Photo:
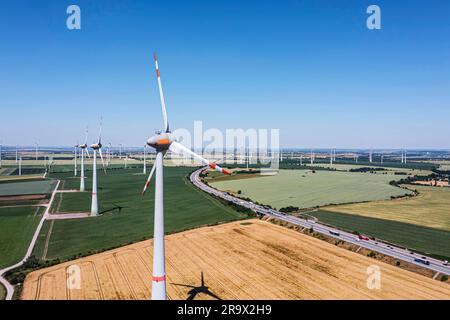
column 361, row 237
column 426, row 262
column 445, row 263
column 334, row 233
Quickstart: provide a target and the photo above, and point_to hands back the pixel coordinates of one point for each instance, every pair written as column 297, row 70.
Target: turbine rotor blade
column 180, row 149
column 147, row 183
column 161, row 97
column 87, row 152
column 100, row 134
column 86, row 136
column 101, row 157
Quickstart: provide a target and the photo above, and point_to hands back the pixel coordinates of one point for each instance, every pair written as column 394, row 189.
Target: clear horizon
column 310, row 68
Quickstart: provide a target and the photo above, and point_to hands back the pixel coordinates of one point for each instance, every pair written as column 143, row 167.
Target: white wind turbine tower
column 75, row 159
column 331, row 157
column 0, row 155
column 20, row 166
column 36, row 152
column 312, row 157
column 17, row 152
column 84, row 149
column 163, row 141
column 109, row 154
column 144, row 171
column 96, row 147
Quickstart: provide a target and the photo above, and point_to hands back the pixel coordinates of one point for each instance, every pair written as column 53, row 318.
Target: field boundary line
column 6, row 284
column 47, row 240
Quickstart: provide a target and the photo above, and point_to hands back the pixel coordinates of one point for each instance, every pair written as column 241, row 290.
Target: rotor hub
column 160, row 141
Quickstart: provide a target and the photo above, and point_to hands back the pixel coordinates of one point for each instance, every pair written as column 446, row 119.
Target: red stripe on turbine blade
column 154, row 56
column 157, row 73
column 212, row 165
column 159, row 279
column 226, row 171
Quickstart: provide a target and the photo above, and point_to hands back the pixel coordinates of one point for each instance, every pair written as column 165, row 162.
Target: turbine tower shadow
column 196, row 290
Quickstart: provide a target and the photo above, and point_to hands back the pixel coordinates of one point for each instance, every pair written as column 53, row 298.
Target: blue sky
column 310, row 68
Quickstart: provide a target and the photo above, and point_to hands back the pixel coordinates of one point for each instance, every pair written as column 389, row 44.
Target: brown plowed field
column 239, row 260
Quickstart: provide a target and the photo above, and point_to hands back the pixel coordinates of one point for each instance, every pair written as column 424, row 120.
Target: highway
column 374, row 245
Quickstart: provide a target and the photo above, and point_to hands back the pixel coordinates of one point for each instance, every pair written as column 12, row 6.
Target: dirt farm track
column 240, row 260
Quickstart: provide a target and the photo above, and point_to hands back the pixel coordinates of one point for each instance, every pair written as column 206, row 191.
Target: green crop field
column 127, row 215
column 420, row 238
column 26, row 187
column 389, row 170
column 304, row 189
column 17, row 226
column 2, row 292
column 430, row 208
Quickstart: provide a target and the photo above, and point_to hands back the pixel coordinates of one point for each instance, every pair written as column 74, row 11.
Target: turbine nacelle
column 96, row 146
column 160, row 141
column 83, row 146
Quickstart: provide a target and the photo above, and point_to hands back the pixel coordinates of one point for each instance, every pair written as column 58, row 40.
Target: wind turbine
column 36, row 152
column 84, row 149
column 161, row 142
column 96, row 147
column 75, row 159
column 20, row 166
column 144, row 171
column 109, row 154
column 17, row 151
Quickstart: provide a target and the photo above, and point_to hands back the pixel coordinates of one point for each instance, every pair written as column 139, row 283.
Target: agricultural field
column 422, row 239
column 126, row 215
column 239, row 260
column 2, row 292
column 389, row 170
column 305, row 189
column 17, row 226
column 27, row 187
column 430, row 208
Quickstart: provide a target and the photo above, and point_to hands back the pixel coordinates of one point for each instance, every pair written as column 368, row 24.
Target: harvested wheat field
column 240, row 260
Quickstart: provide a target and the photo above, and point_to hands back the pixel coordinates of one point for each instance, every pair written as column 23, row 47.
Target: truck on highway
column 426, row 262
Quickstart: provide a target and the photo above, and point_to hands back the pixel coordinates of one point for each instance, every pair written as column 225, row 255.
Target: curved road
column 378, row 246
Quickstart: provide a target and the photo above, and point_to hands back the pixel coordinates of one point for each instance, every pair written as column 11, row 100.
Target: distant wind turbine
column 97, row 147
column 84, row 150
column 144, row 171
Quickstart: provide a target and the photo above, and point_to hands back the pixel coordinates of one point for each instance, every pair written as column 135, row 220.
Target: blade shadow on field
column 195, row 290
column 116, row 207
